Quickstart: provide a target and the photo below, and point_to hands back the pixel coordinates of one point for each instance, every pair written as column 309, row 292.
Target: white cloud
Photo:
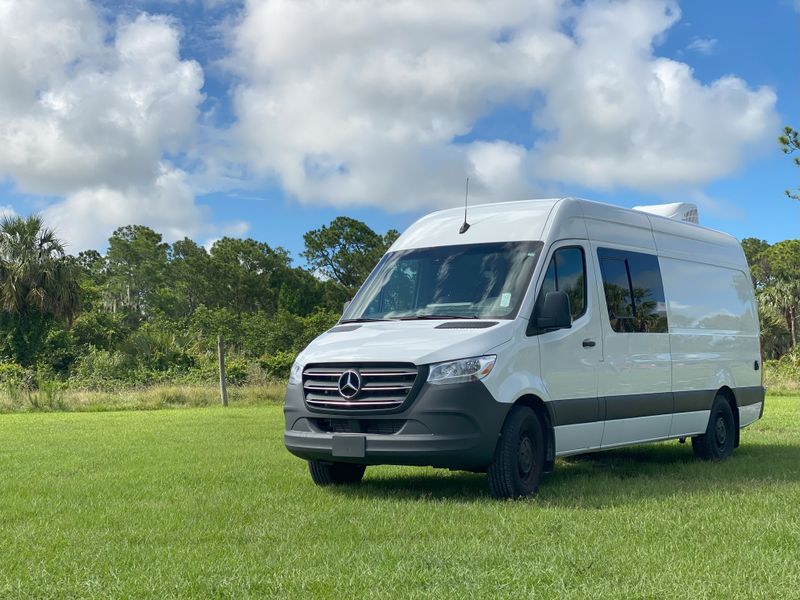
column 703, row 45
column 354, row 103
column 718, row 207
column 88, row 112
column 500, row 166
column 236, row 229
column 347, row 103
column 7, row 211
column 210, row 243
column 620, row 116
column 91, row 214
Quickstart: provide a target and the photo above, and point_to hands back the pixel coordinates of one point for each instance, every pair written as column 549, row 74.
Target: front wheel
column 330, row 473
column 718, row 440
column 519, row 456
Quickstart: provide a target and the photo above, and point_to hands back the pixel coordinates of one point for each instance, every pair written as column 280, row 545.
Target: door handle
column 589, row 343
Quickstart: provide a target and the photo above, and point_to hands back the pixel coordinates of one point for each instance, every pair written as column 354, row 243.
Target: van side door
column 569, row 358
column 636, row 375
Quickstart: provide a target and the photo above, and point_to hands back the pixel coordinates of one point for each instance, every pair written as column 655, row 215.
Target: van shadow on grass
column 597, row 480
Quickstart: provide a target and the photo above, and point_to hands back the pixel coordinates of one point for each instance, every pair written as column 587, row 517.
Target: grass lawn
column 206, row 502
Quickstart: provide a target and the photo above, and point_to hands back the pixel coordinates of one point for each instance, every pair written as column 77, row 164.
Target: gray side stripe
column 745, row 396
column 639, row 405
column 588, row 410
column 582, row 410
column 694, row 400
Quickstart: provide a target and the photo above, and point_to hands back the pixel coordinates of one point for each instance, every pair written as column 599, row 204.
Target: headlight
column 461, row 371
column 296, row 373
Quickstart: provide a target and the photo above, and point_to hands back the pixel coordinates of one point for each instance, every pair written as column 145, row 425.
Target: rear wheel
column 519, row 456
column 718, row 440
column 328, row 473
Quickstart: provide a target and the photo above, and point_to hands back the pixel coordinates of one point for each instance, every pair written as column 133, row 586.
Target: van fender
column 722, row 378
column 516, row 385
column 528, row 388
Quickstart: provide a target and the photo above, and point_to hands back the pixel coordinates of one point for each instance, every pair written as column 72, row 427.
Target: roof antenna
column 465, row 225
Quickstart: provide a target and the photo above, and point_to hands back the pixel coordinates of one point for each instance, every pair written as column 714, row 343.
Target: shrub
column 783, row 376
column 236, row 370
column 98, row 368
column 278, row 364
column 17, row 376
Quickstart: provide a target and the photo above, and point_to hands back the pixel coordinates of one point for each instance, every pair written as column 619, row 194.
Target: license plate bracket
column 348, row 445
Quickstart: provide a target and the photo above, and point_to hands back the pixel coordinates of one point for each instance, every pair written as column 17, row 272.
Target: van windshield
column 471, row 281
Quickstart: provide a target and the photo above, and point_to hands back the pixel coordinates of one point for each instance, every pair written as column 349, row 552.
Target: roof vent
column 679, row 211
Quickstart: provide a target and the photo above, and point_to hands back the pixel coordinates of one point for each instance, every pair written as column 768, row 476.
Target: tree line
column 775, row 270
column 146, row 310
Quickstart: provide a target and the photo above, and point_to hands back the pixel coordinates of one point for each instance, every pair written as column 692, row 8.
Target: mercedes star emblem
column 349, row 384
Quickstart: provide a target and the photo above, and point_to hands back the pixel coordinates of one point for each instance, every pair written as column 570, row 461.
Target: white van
column 547, row 328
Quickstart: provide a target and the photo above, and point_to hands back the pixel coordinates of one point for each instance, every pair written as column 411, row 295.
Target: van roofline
column 561, row 199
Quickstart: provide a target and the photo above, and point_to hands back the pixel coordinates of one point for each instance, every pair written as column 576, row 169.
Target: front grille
column 383, row 386
column 372, row 426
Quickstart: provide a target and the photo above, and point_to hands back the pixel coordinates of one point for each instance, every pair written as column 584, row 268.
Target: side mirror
column 554, row 313
column 346, row 304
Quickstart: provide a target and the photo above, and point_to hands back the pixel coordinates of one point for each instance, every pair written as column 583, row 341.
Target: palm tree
column 37, row 283
column 784, row 297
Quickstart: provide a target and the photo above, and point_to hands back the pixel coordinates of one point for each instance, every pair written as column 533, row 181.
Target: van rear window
column 634, row 291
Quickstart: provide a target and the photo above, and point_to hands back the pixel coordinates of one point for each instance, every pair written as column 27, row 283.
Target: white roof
column 498, row 222
column 679, row 211
column 564, row 218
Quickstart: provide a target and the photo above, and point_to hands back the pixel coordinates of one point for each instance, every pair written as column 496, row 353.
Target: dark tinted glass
column 648, row 293
column 618, row 293
column 634, row 291
column 549, row 283
column 566, row 273
column 571, row 278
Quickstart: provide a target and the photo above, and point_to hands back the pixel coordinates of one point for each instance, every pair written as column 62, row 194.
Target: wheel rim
column 525, row 454
column 721, row 432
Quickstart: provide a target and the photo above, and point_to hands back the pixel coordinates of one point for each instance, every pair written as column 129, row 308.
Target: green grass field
column 206, row 502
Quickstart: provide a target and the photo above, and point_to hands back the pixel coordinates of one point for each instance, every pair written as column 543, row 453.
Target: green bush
column 783, row 376
column 278, row 365
column 236, row 370
column 17, row 376
column 99, row 369
column 155, row 347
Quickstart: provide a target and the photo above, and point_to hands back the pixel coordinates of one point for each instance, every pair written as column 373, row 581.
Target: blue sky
column 219, row 173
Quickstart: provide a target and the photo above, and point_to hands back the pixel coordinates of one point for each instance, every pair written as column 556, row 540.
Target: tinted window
column 571, row 278
column 617, row 288
column 634, row 291
column 566, row 273
column 648, row 293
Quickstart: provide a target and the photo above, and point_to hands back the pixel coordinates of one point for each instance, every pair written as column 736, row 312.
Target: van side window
column 567, row 273
column 617, row 287
column 634, row 291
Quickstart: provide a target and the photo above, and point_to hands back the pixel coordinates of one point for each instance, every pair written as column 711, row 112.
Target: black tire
column 519, row 456
column 328, row 473
column 720, row 436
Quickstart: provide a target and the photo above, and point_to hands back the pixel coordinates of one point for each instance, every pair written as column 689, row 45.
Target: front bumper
column 451, row 426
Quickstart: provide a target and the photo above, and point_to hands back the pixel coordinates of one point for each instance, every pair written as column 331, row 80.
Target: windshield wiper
column 435, row 317
column 362, row 320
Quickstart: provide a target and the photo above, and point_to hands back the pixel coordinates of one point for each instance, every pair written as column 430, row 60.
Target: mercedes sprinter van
column 545, row 328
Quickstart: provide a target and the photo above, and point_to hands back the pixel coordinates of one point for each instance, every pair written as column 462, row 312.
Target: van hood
column 418, row 342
